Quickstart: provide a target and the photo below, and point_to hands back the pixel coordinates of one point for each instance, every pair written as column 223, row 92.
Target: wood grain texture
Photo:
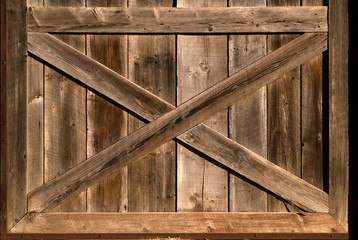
column 106, row 123
column 202, row 147
column 247, row 117
column 177, row 121
column 65, row 119
column 202, row 62
column 217, row 19
column 199, row 224
column 256, row 168
column 96, row 76
column 3, row 118
column 283, row 109
column 152, row 178
column 311, row 114
column 16, row 110
column 338, row 112
column 152, row 66
column 35, row 119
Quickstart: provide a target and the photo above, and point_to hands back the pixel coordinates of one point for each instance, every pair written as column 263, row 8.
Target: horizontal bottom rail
column 174, row 225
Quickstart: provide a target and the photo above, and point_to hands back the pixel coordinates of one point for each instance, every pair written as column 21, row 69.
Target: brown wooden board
column 211, row 19
column 3, row 117
column 248, row 116
column 106, row 123
column 35, row 119
column 338, row 111
column 312, row 116
column 16, row 112
column 202, row 62
column 152, row 66
column 283, row 113
column 65, row 119
column 210, row 225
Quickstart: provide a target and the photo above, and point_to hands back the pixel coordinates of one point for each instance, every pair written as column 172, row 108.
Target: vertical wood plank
column 284, row 135
column 152, row 66
column 248, row 116
column 16, row 112
column 202, row 62
column 65, row 119
column 106, row 123
column 338, row 112
column 3, row 116
column 35, row 123
column 311, row 112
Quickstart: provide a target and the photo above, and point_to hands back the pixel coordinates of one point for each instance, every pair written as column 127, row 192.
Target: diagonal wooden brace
column 176, row 121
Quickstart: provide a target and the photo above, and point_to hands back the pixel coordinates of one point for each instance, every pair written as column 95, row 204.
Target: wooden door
column 172, row 118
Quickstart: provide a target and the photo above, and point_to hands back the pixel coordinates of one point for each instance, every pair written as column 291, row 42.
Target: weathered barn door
column 161, row 118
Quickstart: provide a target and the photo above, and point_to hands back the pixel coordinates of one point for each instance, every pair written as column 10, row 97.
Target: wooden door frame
column 337, row 218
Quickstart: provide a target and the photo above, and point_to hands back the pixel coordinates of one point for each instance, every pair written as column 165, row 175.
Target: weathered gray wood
column 247, row 117
column 177, row 121
column 283, row 109
column 338, row 111
column 311, row 114
column 217, row 19
column 212, row 225
column 152, row 66
column 107, row 123
column 65, row 119
column 16, row 110
column 35, row 123
column 202, row 62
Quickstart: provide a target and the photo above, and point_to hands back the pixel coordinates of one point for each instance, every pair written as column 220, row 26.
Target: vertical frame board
column 3, row 116
column 202, row 62
column 248, row 116
column 35, row 118
column 152, row 66
column 65, row 119
column 311, row 116
column 16, row 156
column 106, row 123
column 338, row 112
column 283, row 110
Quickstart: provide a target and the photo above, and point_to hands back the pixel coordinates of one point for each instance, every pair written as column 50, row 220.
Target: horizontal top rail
column 164, row 20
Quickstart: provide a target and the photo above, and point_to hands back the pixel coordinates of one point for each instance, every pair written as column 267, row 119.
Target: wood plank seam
column 30, row 194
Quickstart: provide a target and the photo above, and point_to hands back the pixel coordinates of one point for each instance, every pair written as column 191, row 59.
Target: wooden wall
column 281, row 121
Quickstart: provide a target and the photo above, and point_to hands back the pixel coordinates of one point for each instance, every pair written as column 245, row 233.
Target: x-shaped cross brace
column 183, row 122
